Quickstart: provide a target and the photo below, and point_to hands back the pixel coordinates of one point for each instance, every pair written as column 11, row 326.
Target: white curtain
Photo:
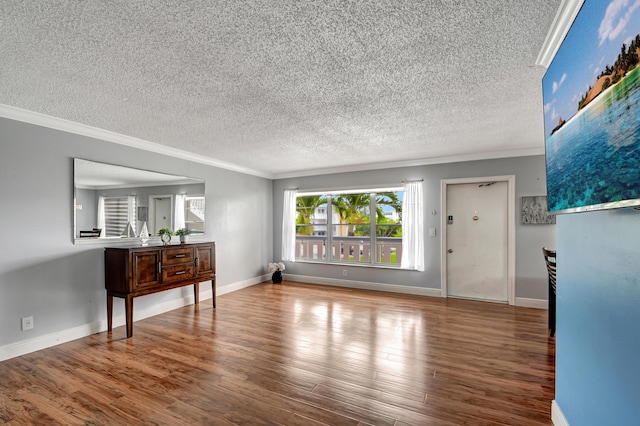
column 130, row 229
column 178, row 221
column 412, row 227
column 101, row 216
column 131, row 201
column 289, row 225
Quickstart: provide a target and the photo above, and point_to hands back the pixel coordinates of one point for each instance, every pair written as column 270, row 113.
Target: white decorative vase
column 144, row 234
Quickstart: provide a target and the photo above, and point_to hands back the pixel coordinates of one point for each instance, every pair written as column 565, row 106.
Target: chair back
column 550, row 260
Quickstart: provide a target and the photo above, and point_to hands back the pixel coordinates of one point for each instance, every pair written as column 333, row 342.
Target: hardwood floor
column 297, row 354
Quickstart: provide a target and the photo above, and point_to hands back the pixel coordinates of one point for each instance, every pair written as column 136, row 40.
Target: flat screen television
column 591, row 94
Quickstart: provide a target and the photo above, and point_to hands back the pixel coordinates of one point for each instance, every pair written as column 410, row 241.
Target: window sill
column 358, row 265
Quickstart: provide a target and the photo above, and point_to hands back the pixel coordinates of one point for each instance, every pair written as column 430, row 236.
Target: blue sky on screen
column 593, row 42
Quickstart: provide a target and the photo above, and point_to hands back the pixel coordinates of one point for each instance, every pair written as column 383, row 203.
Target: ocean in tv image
column 594, row 158
column 591, row 97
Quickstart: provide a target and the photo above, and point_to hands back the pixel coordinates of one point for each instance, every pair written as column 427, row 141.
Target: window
column 194, row 214
column 359, row 227
column 119, row 216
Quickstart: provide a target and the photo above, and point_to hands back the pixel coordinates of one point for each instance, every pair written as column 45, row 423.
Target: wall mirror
column 115, row 203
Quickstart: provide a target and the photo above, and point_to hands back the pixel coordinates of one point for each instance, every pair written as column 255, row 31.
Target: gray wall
column 531, row 278
column 42, row 273
column 87, row 218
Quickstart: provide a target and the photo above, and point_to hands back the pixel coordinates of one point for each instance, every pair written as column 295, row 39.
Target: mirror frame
column 96, row 175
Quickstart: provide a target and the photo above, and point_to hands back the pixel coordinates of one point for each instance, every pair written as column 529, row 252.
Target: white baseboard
column 557, row 417
column 230, row 288
column 366, row 285
column 532, row 303
column 397, row 288
column 24, row 347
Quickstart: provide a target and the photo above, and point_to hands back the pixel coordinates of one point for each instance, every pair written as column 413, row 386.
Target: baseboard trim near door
column 525, row 302
column 557, row 417
column 365, row 285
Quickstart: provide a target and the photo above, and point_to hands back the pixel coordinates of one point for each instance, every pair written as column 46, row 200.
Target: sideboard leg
column 109, row 312
column 213, row 292
column 128, row 307
column 196, row 293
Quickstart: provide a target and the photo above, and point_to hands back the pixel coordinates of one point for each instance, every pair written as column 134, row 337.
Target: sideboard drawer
column 177, row 272
column 175, row 256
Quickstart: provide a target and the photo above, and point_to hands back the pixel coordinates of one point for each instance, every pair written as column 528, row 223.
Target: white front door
column 476, row 252
column 162, row 214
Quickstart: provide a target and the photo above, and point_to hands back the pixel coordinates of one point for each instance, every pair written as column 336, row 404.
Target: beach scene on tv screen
column 591, row 94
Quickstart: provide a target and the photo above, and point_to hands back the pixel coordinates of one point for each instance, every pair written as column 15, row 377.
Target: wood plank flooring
column 297, row 354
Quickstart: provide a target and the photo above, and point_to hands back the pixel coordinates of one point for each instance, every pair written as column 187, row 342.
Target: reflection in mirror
column 116, row 202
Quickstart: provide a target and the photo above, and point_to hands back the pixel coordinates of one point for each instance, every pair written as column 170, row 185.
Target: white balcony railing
column 388, row 251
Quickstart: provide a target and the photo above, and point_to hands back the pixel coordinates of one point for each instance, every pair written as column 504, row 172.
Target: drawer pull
column 197, row 262
column 180, row 255
column 181, row 272
column 159, row 267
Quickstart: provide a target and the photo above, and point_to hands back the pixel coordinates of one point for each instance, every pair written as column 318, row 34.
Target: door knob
column 450, row 251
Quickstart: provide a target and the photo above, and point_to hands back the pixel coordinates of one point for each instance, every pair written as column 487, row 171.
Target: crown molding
column 525, row 152
column 38, row 119
column 565, row 16
column 43, row 120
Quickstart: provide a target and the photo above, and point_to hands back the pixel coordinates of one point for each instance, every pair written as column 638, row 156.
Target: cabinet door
column 146, row 271
column 205, row 260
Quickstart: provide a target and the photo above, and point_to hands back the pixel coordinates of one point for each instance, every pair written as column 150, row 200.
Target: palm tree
column 389, row 199
column 351, row 209
column 305, row 207
column 383, row 199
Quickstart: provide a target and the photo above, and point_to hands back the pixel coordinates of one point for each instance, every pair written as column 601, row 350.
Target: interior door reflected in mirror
column 114, row 202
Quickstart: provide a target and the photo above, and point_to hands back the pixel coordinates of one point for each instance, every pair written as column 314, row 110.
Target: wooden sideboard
column 135, row 271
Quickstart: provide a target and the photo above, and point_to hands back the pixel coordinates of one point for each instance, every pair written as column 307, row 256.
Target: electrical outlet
column 344, row 272
column 27, row 323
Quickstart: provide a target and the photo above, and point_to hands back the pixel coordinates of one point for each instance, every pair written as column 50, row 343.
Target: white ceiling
column 283, row 87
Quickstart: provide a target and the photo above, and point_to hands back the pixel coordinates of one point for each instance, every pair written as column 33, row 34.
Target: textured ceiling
column 285, row 87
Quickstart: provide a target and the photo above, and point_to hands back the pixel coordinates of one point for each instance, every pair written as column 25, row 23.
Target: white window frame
column 189, row 223
column 372, row 238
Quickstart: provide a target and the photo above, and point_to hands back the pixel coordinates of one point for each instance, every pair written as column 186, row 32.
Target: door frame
column 152, row 210
column 511, row 229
